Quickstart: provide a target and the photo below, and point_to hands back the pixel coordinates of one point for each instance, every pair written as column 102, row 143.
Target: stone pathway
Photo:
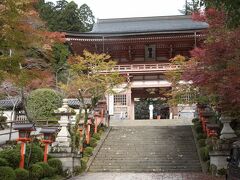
column 155, row 122
column 145, row 176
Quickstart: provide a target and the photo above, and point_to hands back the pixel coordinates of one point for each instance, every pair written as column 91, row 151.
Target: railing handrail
column 145, row 67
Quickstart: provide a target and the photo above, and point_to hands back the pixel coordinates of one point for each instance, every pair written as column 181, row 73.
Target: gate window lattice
column 120, row 99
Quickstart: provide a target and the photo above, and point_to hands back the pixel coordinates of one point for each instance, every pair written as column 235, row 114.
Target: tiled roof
column 74, row 103
column 9, row 103
column 147, row 24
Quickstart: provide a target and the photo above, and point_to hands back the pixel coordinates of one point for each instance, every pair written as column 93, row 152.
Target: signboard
column 111, row 104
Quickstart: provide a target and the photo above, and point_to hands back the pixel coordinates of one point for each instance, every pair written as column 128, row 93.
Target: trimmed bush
column 201, row 142
column 12, row 156
column 56, row 164
column 96, row 136
column 93, row 142
column 7, row 173
column 3, row 162
column 41, row 103
column 47, row 170
column 36, row 172
column 21, row 174
column 88, row 151
column 198, row 129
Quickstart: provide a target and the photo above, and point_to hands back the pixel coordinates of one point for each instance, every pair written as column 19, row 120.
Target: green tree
column 66, row 16
column 92, row 77
column 59, row 62
column 192, row 6
column 231, row 8
column 23, row 32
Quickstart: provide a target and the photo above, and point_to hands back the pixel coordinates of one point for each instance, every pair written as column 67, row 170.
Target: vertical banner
column 111, row 104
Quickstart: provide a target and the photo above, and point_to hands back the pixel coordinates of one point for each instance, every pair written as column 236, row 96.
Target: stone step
column 151, row 149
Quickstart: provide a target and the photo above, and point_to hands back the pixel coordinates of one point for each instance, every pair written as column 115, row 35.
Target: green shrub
column 36, row 154
column 96, row 136
column 195, row 120
column 56, row 164
column 3, row 162
column 93, row 142
column 201, row 142
column 201, row 136
column 35, row 172
column 47, row 170
column 88, row 151
column 204, row 153
column 198, row 129
column 41, row 103
column 222, row 172
column 12, row 156
column 7, row 173
column 21, row 174
column 84, row 161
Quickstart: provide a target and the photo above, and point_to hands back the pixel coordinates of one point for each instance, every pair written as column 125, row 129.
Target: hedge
column 93, row 142
column 12, row 156
column 88, row 151
column 47, row 170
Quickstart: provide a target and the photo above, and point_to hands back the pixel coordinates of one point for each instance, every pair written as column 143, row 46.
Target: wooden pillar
column 23, row 146
column 45, row 152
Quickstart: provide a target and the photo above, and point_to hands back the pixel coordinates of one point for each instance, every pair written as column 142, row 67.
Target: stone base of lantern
column 219, row 159
column 69, row 160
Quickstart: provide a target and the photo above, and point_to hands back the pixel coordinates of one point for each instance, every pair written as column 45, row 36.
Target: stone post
column 63, row 139
column 227, row 132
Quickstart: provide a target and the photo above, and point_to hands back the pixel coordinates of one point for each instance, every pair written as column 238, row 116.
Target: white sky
column 103, row 9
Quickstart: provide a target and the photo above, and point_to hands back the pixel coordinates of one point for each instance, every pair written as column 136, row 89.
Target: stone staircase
column 148, row 149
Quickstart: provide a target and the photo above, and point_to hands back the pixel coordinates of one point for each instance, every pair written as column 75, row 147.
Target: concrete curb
column 98, row 147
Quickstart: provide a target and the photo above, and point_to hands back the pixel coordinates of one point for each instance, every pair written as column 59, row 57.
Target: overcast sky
column 103, row 9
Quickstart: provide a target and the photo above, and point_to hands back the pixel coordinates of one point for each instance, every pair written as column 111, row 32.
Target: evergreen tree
column 192, row 6
column 66, row 16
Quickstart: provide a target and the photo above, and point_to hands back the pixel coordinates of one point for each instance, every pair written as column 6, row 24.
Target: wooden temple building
column 142, row 48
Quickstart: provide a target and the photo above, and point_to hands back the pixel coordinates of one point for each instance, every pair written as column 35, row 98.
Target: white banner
column 111, row 104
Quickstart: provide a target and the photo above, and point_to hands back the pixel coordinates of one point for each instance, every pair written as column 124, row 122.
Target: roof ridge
column 130, row 19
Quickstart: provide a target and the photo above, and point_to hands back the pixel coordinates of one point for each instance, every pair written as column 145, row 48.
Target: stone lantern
column 63, row 139
column 24, row 130
column 227, row 131
column 48, row 134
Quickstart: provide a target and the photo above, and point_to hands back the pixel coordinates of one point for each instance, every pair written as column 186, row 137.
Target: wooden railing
column 145, row 67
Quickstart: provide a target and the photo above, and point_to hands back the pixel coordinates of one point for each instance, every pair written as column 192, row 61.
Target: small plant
column 201, row 136
column 56, row 164
column 21, row 174
column 96, row 136
column 88, row 151
column 77, row 170
column 35, row 172
column 93, row 142
column 204, row 153
column 7, row 173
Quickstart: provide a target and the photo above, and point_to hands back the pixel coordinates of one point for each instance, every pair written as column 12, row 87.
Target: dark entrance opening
column 160, row 111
